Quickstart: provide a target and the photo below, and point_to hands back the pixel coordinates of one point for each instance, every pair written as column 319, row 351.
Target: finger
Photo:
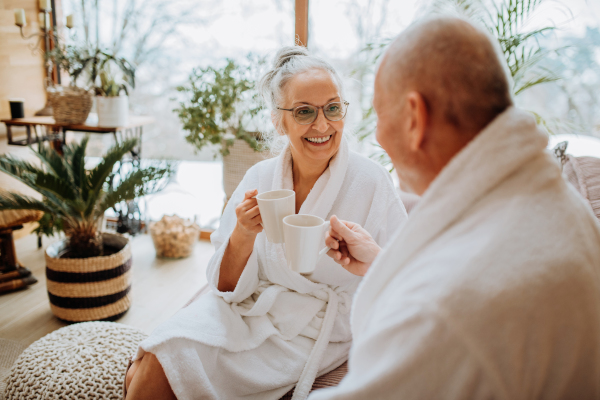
column 250, row 194
column 248, row 204
column 331, row 242
column 336, row 255
column 340, row 228
column 257, row 221
column 253, row 212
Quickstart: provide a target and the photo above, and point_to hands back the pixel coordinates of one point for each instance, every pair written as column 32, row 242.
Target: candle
column 42, row 19
column 47, row 21
column 45, row 5
column 70, row 21
column 20, row 17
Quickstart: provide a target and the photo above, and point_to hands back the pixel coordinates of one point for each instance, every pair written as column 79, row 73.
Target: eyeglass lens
column 308, row 114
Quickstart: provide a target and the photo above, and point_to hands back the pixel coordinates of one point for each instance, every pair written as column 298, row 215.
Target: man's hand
column 351, row 246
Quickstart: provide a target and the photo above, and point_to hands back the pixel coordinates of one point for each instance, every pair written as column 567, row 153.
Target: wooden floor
column 160, row 288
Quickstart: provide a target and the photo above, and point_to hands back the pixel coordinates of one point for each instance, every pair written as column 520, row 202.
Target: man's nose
column 321, row 124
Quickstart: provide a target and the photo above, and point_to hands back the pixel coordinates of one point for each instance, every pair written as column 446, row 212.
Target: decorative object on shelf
column 17, row 108
column 174, row 237
column 90, row 70
column 223, row 108
column 78, row 198
column 71, row 105
column 48, row 34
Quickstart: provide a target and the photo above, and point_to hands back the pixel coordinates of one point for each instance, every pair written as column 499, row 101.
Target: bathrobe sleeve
column 248, row 281
column 430, row 361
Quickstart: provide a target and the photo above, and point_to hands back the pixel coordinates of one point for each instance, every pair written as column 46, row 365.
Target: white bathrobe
column 277, row 328
column 491, row 290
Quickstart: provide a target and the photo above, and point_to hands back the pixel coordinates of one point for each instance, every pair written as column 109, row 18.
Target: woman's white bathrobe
column 491, row 290
column 277, row 327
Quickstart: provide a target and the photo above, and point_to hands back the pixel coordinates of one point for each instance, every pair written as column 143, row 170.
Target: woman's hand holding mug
column 248, row 216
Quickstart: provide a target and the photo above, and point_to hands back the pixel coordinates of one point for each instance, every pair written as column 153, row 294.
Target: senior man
column 491, row 289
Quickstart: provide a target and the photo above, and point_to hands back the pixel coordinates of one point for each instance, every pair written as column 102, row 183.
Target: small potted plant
column 92, row 69
column 221, row 107
column 112, row 106
column 89, row 272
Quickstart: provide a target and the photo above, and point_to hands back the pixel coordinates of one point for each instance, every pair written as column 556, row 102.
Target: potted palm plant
column 221, row 107
column 89, row 272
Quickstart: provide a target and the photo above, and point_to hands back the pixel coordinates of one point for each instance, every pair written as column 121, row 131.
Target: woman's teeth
column 319, row 140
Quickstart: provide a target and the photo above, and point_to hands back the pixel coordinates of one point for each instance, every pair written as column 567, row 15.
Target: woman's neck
column 305, row 174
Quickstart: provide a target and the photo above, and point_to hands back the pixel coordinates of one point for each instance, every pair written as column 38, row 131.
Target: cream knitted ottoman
column 80, row 361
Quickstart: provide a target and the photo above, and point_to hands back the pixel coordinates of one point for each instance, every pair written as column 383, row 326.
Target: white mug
column 274, row 206
column 304, row 237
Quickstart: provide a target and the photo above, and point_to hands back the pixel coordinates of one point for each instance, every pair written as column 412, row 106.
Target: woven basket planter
column 240, row 159
column 71, row 106
column 89, row 289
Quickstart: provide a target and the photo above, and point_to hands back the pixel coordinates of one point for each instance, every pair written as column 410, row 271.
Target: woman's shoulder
column 359, row 165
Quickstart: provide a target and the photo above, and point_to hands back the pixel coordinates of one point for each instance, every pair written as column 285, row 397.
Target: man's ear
column 418, row 117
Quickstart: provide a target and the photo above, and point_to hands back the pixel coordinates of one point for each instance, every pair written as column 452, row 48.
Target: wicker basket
column 71, row 106
column 89, row 289
column 241, row 157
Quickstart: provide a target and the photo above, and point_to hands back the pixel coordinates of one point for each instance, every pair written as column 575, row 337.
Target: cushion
column 584, row 174
column 81, row 361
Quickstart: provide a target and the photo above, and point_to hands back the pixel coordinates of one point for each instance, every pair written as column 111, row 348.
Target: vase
column 112, row 111
column 240, row 159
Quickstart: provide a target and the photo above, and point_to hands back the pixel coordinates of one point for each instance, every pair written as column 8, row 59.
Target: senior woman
column 264, row 328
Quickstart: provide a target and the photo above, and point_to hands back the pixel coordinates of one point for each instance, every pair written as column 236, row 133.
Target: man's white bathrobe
column 277, row 328
column 491, row 290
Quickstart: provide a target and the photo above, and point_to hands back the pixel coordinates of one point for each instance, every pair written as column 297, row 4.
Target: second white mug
column 304, row 240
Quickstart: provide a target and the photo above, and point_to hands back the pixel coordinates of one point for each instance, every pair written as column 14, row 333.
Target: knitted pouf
column 81, row 361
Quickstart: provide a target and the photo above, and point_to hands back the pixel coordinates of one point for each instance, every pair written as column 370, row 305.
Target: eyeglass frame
column 346, row 103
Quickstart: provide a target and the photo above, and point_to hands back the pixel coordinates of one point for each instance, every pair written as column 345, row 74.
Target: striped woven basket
column 90, row 289
column 71, row 106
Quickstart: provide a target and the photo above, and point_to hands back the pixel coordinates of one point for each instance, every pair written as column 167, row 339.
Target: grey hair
column 289, row 62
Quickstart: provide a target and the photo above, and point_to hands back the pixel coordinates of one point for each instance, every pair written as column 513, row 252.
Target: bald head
column 454, row 66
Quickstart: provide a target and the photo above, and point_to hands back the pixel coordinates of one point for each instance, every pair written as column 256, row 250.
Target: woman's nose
column 320, row 123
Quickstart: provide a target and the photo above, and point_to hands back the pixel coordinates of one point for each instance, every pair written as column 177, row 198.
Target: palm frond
column 16, row 201
column 75, row 154
column 98, row 175
column 52, row 160
column 140, row 182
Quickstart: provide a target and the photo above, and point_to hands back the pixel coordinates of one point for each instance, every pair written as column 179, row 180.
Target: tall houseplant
column 88, row 273
column 507, row 21
column 221, row 107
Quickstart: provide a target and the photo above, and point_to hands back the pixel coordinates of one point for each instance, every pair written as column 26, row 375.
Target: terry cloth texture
column 277, row 329
column 491, row 290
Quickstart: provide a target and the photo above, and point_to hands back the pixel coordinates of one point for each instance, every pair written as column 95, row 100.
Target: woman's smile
column 319, row 140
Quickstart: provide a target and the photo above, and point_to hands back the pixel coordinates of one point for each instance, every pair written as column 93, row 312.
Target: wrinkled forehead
column 315, row 86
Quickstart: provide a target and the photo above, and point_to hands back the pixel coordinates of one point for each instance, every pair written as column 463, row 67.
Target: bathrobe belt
column 264, row 303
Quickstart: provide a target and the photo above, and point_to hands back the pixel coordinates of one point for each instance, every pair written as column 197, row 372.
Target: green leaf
column 16, row 201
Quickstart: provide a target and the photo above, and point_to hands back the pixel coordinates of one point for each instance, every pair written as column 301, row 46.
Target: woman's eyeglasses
column 307, row 114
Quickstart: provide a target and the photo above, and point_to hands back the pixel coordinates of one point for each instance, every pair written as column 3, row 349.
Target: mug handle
column 327, row 225
column 253, row 197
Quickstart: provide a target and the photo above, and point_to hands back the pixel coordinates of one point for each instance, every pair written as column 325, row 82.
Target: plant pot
column 71, row 105
column 112, row 111
column 89, row 289
column 240, row 159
